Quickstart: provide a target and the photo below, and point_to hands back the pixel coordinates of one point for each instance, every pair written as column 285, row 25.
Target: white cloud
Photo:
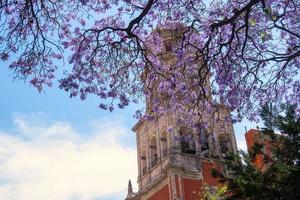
column 56, row 162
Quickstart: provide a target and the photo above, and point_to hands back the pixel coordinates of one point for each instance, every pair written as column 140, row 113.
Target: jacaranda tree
column 249, row 50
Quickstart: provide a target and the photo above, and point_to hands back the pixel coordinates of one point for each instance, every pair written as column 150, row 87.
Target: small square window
column 168, row 46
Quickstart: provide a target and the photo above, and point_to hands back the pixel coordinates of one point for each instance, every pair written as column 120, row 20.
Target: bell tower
column 175, row 160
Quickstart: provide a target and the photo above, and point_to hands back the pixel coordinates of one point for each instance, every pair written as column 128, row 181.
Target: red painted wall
column 206, row 170
column 162, row 194
column 177, row 186
column 191, row 188
column 253, row 136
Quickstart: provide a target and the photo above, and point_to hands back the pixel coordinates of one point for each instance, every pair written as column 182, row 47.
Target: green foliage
column 214, row 193
column 280, row 178
column 287, row 145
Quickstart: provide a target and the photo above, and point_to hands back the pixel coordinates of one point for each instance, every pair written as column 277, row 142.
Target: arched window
column 224, row 145
column 203, row 139
column 143, row 163
column 164, row 144
column 168, row 45
column 153, row 151
column 187, row 140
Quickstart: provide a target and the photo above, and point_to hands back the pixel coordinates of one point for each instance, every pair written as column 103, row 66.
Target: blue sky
column 65, row 148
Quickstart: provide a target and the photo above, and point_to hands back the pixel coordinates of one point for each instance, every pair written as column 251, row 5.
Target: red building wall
column 189, row 189
column 192, row 189
column 177, row 186
column 162, row 194
column 254, row 136
column 206, row 170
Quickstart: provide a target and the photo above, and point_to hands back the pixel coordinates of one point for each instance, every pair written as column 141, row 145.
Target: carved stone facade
column 175, row 165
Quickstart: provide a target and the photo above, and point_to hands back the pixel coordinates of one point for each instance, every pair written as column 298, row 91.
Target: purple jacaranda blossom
column 239, row 54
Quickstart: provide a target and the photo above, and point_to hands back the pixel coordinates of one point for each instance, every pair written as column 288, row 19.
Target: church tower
column 176, row 165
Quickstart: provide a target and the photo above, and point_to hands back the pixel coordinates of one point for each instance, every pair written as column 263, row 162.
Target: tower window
column 144, row 163
column 164, row 144
column 203, row 139
column 153, row 151
column 168, row 46
column 224, row 145
column 187, row 141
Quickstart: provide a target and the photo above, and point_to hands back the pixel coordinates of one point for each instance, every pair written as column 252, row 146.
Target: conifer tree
column 280, row 179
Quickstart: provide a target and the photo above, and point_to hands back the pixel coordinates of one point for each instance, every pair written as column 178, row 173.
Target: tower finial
column 129, row 187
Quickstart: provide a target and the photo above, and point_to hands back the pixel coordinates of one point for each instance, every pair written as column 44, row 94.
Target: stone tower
column 175, row 166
